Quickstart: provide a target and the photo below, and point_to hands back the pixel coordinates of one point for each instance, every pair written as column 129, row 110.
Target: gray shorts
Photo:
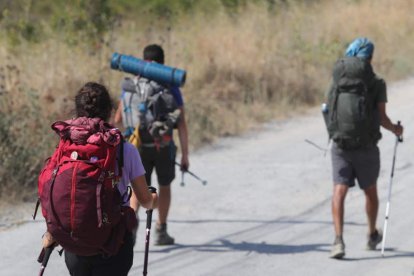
column 362, row 164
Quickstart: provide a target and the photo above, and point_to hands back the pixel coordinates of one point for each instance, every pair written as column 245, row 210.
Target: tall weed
column 23, row 134
column 247, row 62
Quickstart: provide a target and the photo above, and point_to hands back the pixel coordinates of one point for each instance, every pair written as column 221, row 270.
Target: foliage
column 34, row 21
column 89, row 20
column 247, row 61
column 24, row 142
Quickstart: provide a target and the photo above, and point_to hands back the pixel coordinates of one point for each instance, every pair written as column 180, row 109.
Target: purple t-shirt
column 132, row 169
column 176, row 92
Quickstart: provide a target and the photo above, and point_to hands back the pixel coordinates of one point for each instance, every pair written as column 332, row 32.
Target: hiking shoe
column 374, row 239
column 162, row 237
column 338, row 250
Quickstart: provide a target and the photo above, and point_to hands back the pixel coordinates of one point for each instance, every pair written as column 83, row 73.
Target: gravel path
column 265, row 209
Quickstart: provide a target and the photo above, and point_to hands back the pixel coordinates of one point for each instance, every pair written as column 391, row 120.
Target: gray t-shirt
column 379, row 90
column 377, row 94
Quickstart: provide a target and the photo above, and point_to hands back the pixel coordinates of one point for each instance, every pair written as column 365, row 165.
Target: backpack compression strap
column 120, row 158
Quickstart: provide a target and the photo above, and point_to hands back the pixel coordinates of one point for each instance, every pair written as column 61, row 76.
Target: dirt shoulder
column 12, row 215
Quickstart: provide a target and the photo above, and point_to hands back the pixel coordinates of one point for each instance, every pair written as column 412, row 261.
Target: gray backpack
column 149, row 106
column 350, row 110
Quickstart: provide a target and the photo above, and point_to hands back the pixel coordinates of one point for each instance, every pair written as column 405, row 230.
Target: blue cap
column 361, row 47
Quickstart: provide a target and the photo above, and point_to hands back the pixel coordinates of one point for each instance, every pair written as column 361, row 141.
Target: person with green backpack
column 355, row 110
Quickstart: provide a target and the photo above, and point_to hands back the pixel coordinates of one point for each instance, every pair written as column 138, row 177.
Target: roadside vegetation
column 248, row 62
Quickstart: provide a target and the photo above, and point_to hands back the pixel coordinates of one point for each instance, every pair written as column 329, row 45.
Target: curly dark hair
column 93, row 100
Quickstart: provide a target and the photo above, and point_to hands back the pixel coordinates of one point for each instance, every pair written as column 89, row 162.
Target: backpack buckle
column 105, row 218
column 115, row 182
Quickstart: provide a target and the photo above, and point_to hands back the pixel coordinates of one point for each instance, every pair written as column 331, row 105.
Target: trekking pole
column 44, row 258
column 148, row 232
column 398, row 139
column 204, row 182
column 182, row 178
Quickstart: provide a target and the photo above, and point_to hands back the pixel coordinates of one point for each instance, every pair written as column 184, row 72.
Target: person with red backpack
column 83, row 189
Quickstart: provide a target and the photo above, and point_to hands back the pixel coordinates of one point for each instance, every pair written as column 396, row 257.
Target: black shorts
column 98, row 265
column 162, row 159
column 361, row 164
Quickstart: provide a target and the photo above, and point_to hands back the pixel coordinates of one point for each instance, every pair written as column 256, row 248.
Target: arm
column 386, row 122
column 142, row 194
column 133, row 202
column 183, row 137
column 118, row 113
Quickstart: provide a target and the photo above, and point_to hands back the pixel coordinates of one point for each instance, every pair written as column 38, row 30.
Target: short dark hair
column 93, row 100
column 154, row 52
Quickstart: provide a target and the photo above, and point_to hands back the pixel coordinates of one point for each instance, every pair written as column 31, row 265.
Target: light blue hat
column 361, row 47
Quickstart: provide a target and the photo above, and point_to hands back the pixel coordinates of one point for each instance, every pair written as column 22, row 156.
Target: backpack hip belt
column 159, row 143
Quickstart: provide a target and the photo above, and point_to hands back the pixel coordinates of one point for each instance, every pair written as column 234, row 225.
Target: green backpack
column 350, row 111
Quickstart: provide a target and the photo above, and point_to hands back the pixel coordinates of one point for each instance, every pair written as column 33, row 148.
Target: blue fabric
column 361, row 47
column 175, row 90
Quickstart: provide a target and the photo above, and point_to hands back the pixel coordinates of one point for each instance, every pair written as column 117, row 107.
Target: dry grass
column 242, row 69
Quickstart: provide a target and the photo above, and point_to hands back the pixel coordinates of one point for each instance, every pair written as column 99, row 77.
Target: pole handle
column 41, row 256
column 149, row 218
column 400, row 138
column 44, row 258
column 152, row 189
column 48, row 252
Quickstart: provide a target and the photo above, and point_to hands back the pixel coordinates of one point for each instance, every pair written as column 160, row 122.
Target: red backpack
column 78, row 190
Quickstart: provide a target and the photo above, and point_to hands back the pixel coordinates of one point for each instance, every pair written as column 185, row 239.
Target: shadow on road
column 277, row 221
column 264, row 248
column 224, row 245
column 390, row 253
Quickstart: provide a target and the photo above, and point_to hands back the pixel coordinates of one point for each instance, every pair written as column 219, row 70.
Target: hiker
column 90, row 131
column 356, row 108
column 157, row 151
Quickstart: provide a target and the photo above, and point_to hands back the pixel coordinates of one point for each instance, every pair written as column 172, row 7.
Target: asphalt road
column 265, row 209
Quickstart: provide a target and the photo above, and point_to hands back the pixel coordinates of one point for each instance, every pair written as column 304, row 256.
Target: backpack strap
column 51, row 207
column 127, row 193
column 120, row 156
column 127, row 110
column 127, row 106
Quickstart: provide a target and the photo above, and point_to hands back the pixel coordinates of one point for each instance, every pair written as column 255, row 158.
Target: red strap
column 98, row 199
column 108, row 159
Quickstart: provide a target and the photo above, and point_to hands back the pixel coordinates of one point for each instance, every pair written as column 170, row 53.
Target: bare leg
column 371, row 207
column 164, row 203
column 162, row 237
column 338, row 200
